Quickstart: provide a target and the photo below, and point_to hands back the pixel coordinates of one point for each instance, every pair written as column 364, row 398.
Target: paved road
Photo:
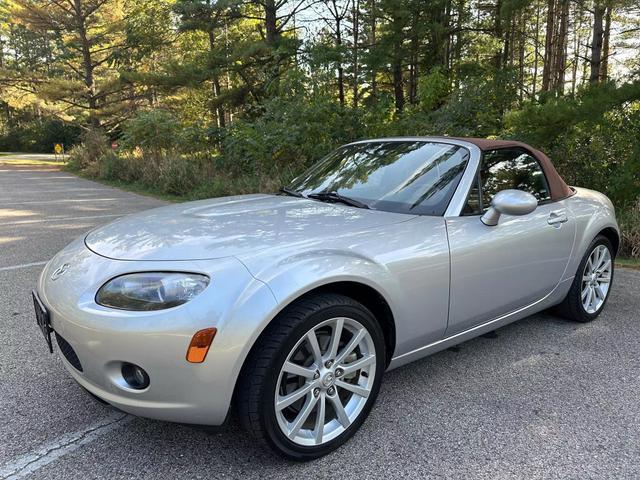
column 543, row 399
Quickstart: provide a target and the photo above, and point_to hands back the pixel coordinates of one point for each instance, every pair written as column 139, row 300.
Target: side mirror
column 509, row 202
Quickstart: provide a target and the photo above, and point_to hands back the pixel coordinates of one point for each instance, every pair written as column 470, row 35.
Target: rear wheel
column 592, row 284
column 313, row 377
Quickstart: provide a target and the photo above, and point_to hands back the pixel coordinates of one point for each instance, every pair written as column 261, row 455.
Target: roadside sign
column 58, row 149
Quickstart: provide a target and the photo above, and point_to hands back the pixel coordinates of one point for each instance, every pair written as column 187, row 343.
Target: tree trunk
column 576, row 48
column 536, row 52
column 521, row 53
column 446, row 26
column 374, row 83
column 87, row 64
column 604, row 65
column 355, row 13
column 457, row 50
column 217, row 111
column 548, row 46
column 596, row 43
column 497, row 33
column 339, row 48
column 270, row 22
column 398, row 86
column 413, row 69
column 560, row 55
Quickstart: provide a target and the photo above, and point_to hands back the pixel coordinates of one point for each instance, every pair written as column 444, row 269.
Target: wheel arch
column 365, row 294
column 613, row 236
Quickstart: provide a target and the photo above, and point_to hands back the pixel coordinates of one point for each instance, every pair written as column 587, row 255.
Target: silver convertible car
column 288, row 308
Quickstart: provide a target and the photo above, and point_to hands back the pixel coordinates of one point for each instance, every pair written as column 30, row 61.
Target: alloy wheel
column 596, row 279
column 325, row 381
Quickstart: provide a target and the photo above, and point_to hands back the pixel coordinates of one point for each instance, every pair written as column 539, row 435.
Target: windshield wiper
column 336, row 197
column 291, row 193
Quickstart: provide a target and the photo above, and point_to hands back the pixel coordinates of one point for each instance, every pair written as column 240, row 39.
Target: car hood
column 231, row 226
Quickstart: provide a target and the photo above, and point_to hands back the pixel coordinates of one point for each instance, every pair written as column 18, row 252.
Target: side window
column 507, row 169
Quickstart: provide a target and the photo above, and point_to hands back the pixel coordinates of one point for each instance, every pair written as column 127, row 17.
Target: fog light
column 135, row 376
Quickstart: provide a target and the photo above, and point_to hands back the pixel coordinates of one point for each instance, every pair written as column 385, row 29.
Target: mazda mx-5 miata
column 289, row 307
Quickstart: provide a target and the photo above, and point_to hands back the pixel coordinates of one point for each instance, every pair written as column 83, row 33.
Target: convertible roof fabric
column 557, row 188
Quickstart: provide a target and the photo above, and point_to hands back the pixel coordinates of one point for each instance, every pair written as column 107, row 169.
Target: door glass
column 507, row 169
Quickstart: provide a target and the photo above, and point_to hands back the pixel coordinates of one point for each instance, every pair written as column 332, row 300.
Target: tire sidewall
column 274, row 434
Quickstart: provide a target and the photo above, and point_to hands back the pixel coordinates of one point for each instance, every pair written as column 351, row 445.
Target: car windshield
column 416, row 177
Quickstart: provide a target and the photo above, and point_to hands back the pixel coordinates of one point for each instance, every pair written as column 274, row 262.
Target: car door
column 498, row 269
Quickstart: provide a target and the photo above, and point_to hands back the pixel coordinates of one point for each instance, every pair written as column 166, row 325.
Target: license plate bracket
column 43, row 319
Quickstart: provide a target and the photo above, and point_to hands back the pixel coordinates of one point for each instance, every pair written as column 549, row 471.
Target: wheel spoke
column 357, row 389
column 312, row 340
column 353, row 343
column 332, row 351
column 605, row 267
column 589, row 298
column 604, row 253
column 296, row 369
column 604, row 279
column 308, row 407
column 585, row 292
column 358, row 364
column 320, row 417
column 284, row 402
column 343, row 418
column 599, row 293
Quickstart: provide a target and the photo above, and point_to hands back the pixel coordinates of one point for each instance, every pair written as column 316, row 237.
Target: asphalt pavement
column 543, row 398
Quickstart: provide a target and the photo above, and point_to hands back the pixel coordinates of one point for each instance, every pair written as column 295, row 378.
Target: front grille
column 68, row 352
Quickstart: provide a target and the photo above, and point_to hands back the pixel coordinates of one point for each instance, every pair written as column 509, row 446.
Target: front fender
column 292, row 277
column 298, row 274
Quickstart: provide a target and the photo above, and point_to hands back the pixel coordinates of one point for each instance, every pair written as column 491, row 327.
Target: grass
column 628, row 263
column 15, row 159
column 135, row 188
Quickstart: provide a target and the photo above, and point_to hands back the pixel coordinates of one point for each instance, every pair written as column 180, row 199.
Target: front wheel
column 313, row 377
column 592, row 284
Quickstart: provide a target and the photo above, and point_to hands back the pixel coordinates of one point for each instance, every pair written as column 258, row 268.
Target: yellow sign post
column 58, row 148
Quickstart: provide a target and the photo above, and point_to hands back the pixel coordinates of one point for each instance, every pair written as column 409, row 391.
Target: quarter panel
column 593, row 212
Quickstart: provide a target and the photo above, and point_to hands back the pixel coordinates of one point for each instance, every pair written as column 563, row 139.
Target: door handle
column 557, row 217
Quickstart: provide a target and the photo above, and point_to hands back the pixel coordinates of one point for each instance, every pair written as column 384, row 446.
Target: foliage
column 433, row 89
column 630, row 227
column 37, row 135
column 209, row 97
column 290, row 134
column 594, row 139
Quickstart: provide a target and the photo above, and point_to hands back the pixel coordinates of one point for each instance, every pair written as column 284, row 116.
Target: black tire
column 571, row 307
column 259, row 377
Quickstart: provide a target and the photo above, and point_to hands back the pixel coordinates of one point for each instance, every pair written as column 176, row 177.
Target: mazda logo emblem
column 61, row 270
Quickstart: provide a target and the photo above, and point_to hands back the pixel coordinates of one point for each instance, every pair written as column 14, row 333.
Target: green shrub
column 87, row 155
column 153, row 130
column 290, row 135
column 38, row 135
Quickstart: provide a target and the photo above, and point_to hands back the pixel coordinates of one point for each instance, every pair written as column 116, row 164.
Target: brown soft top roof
column 557, row 188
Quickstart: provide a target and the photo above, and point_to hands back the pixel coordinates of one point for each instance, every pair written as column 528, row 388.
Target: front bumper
column 102, row 338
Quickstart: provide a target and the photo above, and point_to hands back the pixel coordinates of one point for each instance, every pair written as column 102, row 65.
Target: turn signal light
column 200, row 344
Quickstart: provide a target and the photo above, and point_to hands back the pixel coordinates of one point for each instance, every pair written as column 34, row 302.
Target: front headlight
column 151, row 290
